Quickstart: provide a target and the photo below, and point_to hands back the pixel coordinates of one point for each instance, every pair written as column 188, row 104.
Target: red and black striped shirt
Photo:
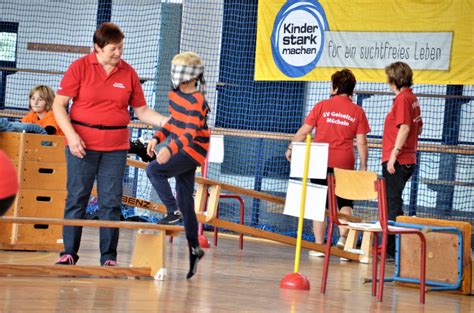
column 187, row 127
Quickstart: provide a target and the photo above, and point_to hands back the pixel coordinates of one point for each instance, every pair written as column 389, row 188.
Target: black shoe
column 195, row 254
column 170, row 219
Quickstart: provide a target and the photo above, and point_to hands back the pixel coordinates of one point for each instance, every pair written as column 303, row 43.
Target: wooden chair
column 358, row 185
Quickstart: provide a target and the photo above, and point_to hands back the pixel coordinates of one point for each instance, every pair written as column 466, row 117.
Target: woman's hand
column 391, row 162
column 163, row 156
column 288, row 154
column 76, row 145
column 150, row 148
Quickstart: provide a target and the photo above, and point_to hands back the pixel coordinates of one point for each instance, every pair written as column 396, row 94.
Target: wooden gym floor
column 228, row 280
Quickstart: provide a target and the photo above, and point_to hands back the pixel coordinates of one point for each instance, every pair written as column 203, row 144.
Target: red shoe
column 110, row 263
column 66, row 259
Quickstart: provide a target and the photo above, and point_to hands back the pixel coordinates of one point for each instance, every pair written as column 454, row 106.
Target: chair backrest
column 357, row 185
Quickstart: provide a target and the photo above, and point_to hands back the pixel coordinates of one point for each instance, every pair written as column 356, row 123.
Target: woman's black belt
column 98, row 126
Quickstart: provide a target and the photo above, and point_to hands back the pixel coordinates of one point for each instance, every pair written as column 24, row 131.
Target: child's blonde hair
column 187, row 58
column 188, row 67
column 46, row 93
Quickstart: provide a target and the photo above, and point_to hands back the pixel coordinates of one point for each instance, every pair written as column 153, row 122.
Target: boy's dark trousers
column 183, row 169
column 395, row 183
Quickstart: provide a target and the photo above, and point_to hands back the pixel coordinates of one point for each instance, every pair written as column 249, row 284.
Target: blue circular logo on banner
column 298, row 37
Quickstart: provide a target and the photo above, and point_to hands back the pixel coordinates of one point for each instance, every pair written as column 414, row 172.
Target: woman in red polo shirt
column 102, row 86
column 337, row 121
column 402, row 126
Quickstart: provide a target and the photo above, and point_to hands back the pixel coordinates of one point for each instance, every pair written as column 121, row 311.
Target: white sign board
column 216, row 149
column 318, row 160
column 315, row 206
column 421, row 50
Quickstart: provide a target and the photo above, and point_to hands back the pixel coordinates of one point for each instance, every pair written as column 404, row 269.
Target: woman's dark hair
column 399, row 74
column 344, row 82
column 108, row 33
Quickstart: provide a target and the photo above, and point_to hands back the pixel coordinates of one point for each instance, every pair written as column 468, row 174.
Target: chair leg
column 327, row 256
column 215, row 236
column 351, row 241
column 422, row 268
column 366, row 246
column 242, row 219
column 375, row 243
column 382, row 266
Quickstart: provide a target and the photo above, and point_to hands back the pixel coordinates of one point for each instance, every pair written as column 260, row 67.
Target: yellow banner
column 308, row 40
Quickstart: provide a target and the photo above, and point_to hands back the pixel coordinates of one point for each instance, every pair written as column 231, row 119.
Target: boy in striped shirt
column 187, row 149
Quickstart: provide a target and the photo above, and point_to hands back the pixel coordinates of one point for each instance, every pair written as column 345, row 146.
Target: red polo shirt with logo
column 8, row 177
column 101, row 99
column 338, row 120
column 405, row 110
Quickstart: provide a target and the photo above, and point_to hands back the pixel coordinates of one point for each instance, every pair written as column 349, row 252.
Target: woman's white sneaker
column 341, row 242
column 316, row 254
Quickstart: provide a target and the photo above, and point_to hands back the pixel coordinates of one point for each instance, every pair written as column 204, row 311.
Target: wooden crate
column 441, row 253
column 41, row 167
column 44, row 176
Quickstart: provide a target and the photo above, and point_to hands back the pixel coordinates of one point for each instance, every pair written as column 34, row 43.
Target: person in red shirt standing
column 41, row 101
column 102, row 86
column 337, row 121
column 402, row 127
column 8, row 183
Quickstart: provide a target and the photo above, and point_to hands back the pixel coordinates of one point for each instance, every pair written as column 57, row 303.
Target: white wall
column 73, row 23
column 140, row 22
column 65, row 22
column 201, row 32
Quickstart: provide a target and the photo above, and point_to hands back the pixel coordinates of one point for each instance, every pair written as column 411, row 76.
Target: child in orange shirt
column 41, row 100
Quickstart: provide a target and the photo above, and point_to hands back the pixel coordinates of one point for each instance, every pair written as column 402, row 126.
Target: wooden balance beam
column 148, row 258
column 242, row 191
column 210, row 189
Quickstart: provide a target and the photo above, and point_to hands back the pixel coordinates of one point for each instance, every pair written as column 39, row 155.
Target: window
column 8, row 43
